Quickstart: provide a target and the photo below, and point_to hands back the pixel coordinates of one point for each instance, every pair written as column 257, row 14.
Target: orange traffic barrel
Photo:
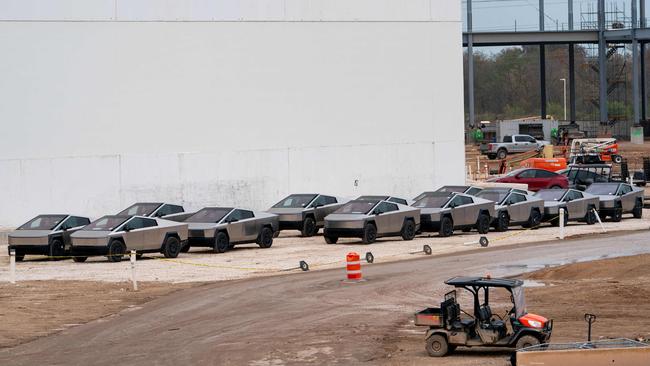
column 353, row 266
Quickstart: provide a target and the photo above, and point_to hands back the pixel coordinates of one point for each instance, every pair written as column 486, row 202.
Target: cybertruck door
column 467, row 211
column 576, row 205
column 251, row 225
column 134, row 237
column 236, row 226
column 328, row 204
column 392, row 216
column 628, row 198
column 519, row 208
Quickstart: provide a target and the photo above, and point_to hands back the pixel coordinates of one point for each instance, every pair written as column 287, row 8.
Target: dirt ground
column 35, row 309
column 616, row 290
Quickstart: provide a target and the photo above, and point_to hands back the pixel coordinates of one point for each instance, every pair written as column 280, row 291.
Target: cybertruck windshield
column 551, row 194
column 496, row 196
column 433, row 200
column 43, row 222
column 106, row 223
column 296, row 201
column 603, row 189
column 139, row 209
column 361, row 207
column 212, row 215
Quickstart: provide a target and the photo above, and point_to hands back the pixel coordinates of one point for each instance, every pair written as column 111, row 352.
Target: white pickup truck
column 510, row 145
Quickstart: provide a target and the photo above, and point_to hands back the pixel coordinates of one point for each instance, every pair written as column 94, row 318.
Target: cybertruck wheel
column 446, row 227
column 116, row 250
column 638, row 210
column 503, row 221
column 408, row 230
column 617, row 213
column 527, row 341
column 56, row 249
column 186, row 248
column 590, row 217
column 369, row 234
column 483, row 223
column 266, row 238
column 172, row 247
column 221, row 243
column 331, row 239
column 79, row 259
column 309, row 227
column 556, row 221
column 437, row 346
column 534, row 220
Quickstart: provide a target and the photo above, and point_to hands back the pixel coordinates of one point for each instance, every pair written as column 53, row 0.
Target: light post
column 564, row 83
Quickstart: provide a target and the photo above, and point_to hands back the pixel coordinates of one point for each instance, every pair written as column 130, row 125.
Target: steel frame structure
column 637, row 36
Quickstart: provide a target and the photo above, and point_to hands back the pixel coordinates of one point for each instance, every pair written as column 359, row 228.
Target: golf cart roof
column 483, row 282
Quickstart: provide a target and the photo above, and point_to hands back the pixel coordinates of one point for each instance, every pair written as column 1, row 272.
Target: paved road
column 293, row 319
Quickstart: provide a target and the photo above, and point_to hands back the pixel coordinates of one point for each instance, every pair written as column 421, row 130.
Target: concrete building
column 107, row 102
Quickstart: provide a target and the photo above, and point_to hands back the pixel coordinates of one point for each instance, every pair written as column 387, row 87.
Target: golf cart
column 447, row 329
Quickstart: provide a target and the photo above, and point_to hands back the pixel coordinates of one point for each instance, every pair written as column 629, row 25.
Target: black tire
column 79, row 259
column 492, row 156
column 437, row 346
column 186, row 248
column 309, row 227
column 617, row 213
column 534, row 220
column 590, row 217
column 502, row 153
column 331, row 239
column 556, row 221
column 369, row 233
column 617, row 159
column 266, row 238
column 19, row 257
column 446, row 227
column 638, row 210
column 527, row 341
column 221, row 242
column 483, row 223
column 172, row 247
column 56, row 249
column 503, row 221
column 408, row 230
column 116, row 250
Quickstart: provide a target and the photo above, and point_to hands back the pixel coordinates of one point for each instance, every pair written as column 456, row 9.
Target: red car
column 535, row 178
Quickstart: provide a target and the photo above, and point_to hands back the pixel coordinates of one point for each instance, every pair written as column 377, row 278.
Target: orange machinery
column 552, row 164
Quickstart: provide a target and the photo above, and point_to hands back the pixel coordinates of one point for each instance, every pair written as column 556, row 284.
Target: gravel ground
column 201, row 265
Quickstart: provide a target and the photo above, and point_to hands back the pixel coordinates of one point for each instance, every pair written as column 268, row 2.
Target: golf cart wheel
column 446, row 227
column 408, row 230
column 78, row 259
column 331, row 239
column 502, row 222
column 56, row 249
column 617, row 214
column 483, row 223
column 266, row 237
column 638, row 210
column 172, row 247
column 221, row 242
column 116, row 250
column 369, row 233
column 527, row 341
column 590, row 217
column 502, row 154
column 309, row 227
column 437, row 346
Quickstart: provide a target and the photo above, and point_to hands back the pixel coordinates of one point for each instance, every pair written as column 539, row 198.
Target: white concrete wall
column 97, row 113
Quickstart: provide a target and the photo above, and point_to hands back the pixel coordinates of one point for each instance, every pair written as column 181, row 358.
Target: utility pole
column 470, row 65
column 602, row 63
column 572, row 69
column 542, row 63
column 635, row 67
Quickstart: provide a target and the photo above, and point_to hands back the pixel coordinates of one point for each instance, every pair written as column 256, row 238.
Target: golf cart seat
column 485, row 315
column 451, row 310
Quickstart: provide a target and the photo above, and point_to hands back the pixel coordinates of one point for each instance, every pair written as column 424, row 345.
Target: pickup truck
column 510, row 145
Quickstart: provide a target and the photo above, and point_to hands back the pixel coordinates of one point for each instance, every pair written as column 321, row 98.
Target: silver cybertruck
column 305, row 212
column 370, row 219
column 514, row 207
column 577, row 205
column 445, row 212
column 221, row 228
column 469, row 190
column 617, row 199
column 113, row 236
column 45, row 235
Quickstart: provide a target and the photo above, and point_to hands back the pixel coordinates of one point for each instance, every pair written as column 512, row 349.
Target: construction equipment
column 594, row 151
